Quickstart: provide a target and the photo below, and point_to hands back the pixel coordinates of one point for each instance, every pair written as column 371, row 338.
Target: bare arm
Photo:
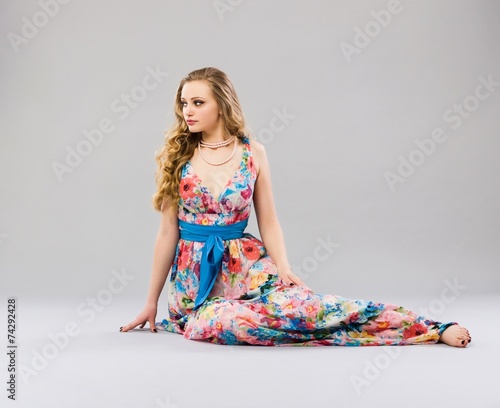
column 267, row 219
column 164, row 252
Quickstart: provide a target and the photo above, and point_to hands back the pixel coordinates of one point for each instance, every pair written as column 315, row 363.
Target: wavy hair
column 180, row 143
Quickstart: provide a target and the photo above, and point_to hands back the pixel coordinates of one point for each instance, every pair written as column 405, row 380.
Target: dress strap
column 247, row 153
column 246, row 143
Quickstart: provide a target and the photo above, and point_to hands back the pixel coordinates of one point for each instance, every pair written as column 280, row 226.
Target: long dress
column 250, row 305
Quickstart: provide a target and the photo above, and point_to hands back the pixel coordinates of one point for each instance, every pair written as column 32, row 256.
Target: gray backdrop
column 380, row 121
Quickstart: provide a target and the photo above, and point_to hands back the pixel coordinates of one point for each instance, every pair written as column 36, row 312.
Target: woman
column 226, row 286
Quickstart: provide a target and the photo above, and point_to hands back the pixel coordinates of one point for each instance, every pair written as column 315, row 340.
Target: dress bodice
column 198, row 205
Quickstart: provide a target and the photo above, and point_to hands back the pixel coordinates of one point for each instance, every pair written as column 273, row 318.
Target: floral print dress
column 250, row 305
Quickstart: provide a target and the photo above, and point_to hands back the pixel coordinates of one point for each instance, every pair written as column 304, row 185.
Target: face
column 199, row 107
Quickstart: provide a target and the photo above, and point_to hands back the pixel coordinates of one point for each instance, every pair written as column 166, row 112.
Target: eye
column 198, row 103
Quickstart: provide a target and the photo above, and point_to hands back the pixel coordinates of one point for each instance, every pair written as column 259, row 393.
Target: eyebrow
column 195, row 97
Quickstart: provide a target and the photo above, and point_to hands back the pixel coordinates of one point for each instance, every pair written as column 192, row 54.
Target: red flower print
column 260, row 309
column 205, row 200
column 187, row 187
column 234, row 265
column 354, row 317
column 251, row 251
column 310, row 325
column 183, row 260
column 246, row 193
column 415, row 330
column 271, row 322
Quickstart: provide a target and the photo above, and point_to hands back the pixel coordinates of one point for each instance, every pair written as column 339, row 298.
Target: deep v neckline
column 202, row 185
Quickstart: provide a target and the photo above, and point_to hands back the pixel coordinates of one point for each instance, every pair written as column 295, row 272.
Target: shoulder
column 257, row 147
column 258, row 153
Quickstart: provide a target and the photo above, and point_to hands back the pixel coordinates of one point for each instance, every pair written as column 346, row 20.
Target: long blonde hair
column 180, row 143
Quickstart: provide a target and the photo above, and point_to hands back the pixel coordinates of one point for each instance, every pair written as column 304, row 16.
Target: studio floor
column 69, row 356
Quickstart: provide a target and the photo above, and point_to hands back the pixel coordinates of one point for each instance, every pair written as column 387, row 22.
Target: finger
column 152, row 326
column 296, row 280
column 130, row 326
column 285, row 280
column 125, row 328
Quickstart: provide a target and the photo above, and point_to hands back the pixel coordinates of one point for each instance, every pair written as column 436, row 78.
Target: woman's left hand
column 289, row 278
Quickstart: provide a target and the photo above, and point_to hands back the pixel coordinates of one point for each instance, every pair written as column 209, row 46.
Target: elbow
column 269, row 226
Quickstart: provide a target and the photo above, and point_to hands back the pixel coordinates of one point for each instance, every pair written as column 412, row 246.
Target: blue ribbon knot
column 213, row 250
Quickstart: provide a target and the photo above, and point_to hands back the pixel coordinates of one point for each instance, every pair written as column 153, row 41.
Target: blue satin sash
column 213, row 250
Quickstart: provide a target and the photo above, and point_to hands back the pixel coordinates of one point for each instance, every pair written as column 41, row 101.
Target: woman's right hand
column 148, row 314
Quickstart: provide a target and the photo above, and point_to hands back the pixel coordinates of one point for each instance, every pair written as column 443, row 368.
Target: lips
column 190, row 122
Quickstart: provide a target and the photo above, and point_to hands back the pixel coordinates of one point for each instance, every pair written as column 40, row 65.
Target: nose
column 188, row 111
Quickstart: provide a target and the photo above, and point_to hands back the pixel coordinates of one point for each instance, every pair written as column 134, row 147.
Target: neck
column 213, row 137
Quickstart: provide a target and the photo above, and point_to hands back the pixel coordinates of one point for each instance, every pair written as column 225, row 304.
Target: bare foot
column 456, row 336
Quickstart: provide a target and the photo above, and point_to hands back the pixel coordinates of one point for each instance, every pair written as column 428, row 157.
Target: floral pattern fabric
column 250, row 305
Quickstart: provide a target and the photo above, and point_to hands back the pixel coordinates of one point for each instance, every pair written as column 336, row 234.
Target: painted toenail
column 463, row 341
